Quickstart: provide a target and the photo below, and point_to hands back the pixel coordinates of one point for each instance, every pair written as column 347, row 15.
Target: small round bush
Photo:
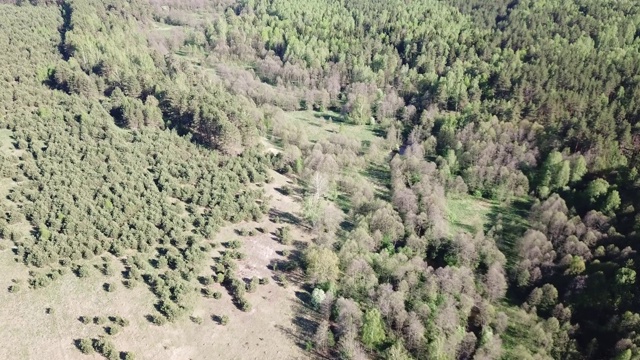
column 120, row 321
column 83, row 271
column 205, row 280
column 245, row 305
column 113, row 329
column 85, row 345
column 252, row 285
column 220, row 278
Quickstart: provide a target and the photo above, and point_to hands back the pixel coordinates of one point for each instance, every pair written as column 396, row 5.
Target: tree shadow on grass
column 302, row 333
column 305, row 323
column 466, row 227
column 338, row 119
column 304, row 297
column 283, row 190
column 285, row 217
column 513, row 217
column 381, row 176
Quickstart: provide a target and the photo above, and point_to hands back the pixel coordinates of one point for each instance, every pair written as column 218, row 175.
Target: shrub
column 264, row 281
column 99, row 320
column 282, row 279
column 83, row 271
column 107, row 269
column 113, row 329
column 14, row 288
column 285, row 235
column 220, row 278
column 224, row 320
column 217, row 295
column 245, row 305
column 207, row 292
column 234, row 244
column 85, row 319
column 119, row 320
column 104, row 347
column 197, row 320
column 158, row 320
column 252, row 285
column 85, row 345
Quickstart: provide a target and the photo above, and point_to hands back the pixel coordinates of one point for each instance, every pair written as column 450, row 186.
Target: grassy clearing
column 522, row 336
column 322, row 124
column 472, row 215
column 513, row 221
column 467, row 214
column 157, row 26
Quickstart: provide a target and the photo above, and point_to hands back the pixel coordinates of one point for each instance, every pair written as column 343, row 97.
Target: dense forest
column 138, row 129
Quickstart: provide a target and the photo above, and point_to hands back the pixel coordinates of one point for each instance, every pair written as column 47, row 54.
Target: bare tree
column 414, row 331
column 321, row 337
column 495, row 282
column 467, row 347
column 349, row 316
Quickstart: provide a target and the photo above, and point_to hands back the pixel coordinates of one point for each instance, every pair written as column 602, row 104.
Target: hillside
column 431, row 179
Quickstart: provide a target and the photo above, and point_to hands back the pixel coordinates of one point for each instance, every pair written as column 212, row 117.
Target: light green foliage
column 556, row 173
column 578, row 168
column 596, row 188
column 577, row 266
column 373, row 332
column 624, row 355
column 625, row 276
column 322, row 265
column 612, row 202
column 85, row 345
column 397, row 352
column 317, row 297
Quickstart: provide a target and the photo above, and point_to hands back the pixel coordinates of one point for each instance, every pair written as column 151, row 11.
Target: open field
column 320, row 125
column 467, row 214
column 269, row 331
